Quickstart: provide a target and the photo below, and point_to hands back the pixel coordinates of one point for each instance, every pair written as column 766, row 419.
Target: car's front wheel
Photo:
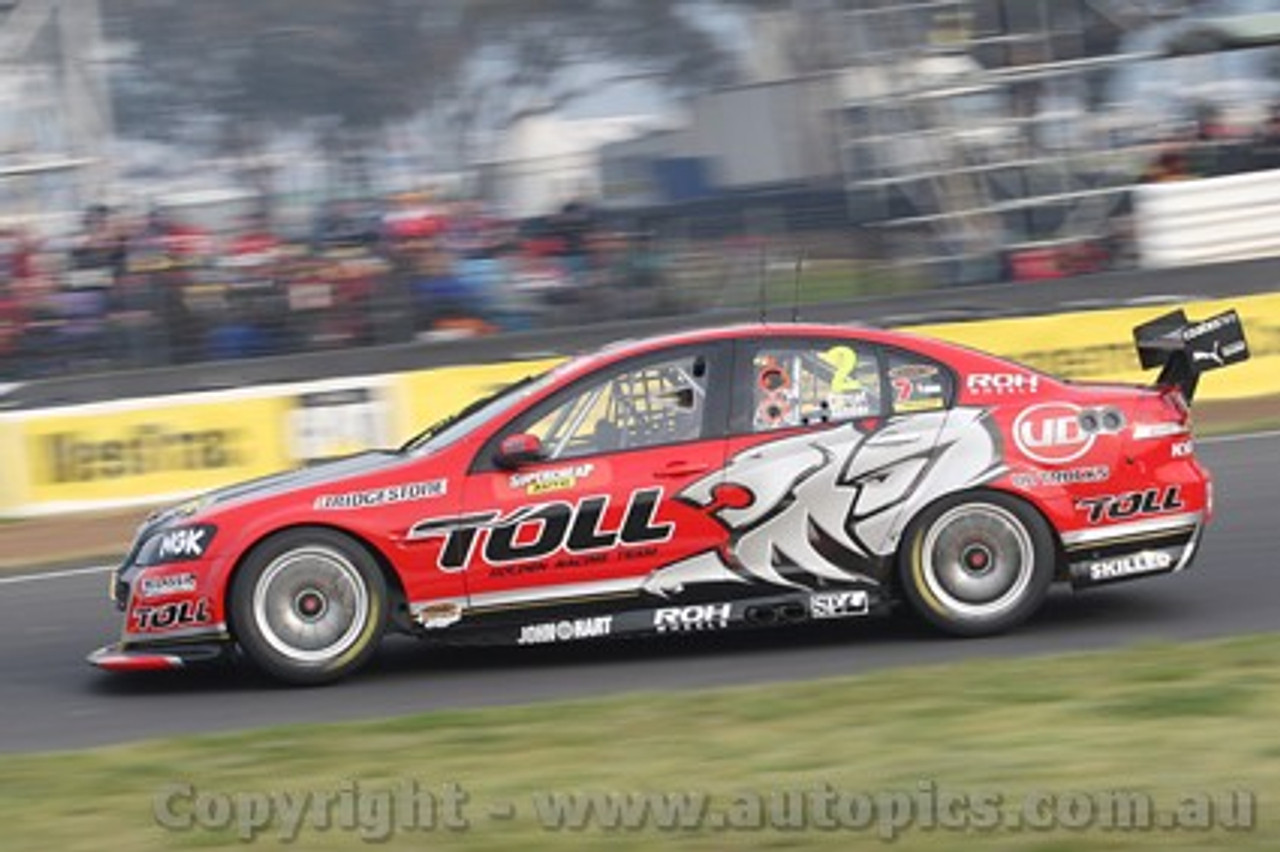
column 978, row 563
column 308, row 606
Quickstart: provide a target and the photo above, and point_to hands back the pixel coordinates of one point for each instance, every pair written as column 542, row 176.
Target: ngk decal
column 1120, row 507
column 699, row 617
column 1050, row 433
column 185, row 543
column 538, row 531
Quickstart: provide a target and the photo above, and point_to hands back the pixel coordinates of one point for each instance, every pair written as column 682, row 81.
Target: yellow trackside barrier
column 424, row 397
column 145, row 451
column 1098, row 345
column 109, row 454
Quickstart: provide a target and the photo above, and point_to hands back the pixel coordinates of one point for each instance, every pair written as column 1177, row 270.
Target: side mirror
column 518, row 450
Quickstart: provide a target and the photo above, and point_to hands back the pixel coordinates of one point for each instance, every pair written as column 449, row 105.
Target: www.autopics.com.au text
column 378, row 812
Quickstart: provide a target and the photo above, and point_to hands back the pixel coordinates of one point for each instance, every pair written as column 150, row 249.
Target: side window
column 641, row 406
column 916, row 383
column 801, row 384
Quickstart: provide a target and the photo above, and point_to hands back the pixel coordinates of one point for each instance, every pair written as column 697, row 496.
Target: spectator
column 1266, row 144
column 1169, row 165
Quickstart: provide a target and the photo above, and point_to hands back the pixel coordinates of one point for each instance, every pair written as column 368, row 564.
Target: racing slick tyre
column 977, row 563
column 309, row 605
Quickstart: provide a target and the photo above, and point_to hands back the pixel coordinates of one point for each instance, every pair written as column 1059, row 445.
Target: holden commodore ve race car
column 746, row 476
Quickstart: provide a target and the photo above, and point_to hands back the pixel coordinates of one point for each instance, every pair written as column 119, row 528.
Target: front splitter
column 118, row 658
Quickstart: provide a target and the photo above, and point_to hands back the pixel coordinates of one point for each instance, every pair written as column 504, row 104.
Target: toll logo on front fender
column 170, row 616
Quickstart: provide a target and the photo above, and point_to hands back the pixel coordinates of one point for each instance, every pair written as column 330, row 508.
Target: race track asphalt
column 51, row 699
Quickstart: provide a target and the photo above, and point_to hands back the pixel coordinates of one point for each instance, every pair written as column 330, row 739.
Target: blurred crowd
column 129, row 291
column 1205, row 146
column 151, row 290
column 1210, row 146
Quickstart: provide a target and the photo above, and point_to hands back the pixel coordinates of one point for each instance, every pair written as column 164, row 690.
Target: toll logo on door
column 543, row 529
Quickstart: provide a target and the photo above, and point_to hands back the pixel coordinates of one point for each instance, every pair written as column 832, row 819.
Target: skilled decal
column 555, row 479
column 1051, row 433
column 1144, row 562
column 1002, row 383
column 386, row 496
column 838, row 604
column 170, row 616
column 535, row 532
column 687, row 618
column 1067, row 476
column 566, row 630
column 1120, row 507
column 174, row 584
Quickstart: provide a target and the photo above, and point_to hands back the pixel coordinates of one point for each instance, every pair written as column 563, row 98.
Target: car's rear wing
column 1184, row 350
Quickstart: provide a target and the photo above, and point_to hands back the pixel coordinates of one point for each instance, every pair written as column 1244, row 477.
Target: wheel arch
column 904, row 540
column 398, row 607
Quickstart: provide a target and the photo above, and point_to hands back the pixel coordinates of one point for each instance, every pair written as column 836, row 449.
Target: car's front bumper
column 149, row 658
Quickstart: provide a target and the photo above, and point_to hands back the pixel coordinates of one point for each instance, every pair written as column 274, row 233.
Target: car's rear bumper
column 149, row 658
column 1131, row 551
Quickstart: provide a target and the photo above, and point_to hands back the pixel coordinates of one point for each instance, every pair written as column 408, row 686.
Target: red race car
column 751, row 476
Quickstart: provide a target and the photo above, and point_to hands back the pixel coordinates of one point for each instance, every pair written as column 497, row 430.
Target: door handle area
column 681, row 468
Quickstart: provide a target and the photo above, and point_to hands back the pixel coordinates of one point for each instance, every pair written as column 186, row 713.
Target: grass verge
column 1168, row 720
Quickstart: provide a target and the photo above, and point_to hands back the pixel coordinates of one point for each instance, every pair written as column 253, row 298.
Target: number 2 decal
column 844, row 360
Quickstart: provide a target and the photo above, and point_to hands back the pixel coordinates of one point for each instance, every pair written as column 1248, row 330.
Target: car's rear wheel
column 308, row 606
column 977, row 563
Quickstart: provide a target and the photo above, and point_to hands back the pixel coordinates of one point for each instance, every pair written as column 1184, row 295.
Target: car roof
column 931, row 347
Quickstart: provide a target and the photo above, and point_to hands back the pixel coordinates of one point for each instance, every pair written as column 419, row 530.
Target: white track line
column 102, row 569
column 55, row 575
column 1232, row 439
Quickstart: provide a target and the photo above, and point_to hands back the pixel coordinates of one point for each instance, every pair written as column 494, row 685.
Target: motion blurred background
column 184, row 181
